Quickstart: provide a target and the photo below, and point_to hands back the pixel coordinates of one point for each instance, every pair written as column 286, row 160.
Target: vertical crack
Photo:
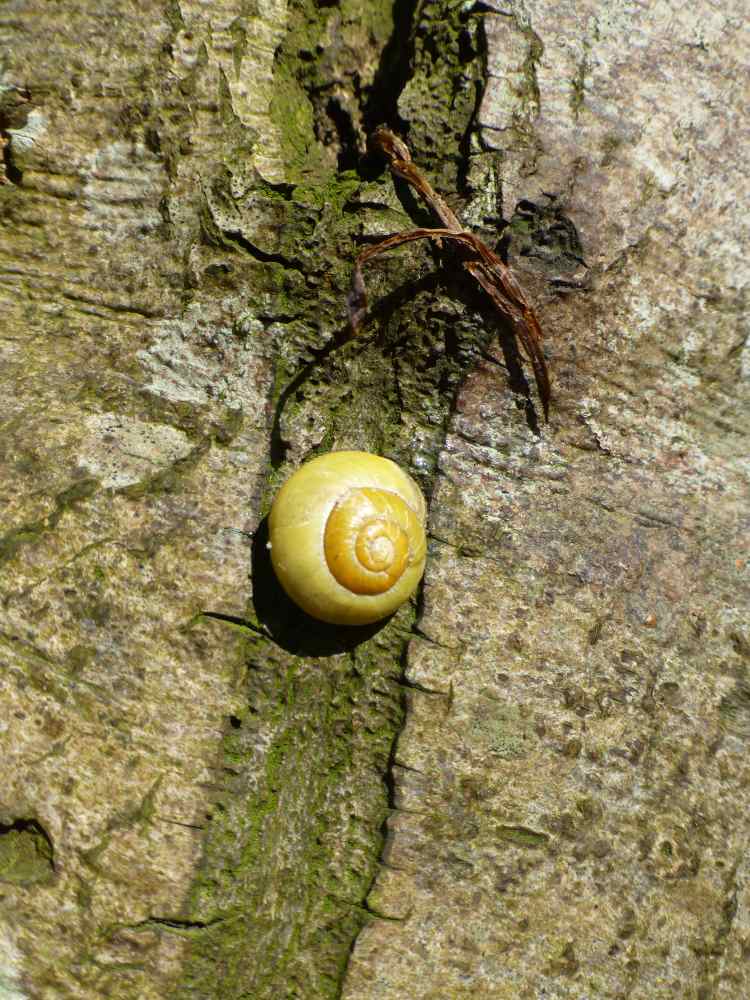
column 395, row 70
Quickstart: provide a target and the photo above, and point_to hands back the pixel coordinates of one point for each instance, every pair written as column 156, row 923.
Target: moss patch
column 26, row 853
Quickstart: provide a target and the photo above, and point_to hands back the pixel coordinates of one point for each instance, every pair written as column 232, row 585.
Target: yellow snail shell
column 347, row 537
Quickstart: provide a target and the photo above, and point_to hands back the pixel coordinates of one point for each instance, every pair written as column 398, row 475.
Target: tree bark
column 533, row 777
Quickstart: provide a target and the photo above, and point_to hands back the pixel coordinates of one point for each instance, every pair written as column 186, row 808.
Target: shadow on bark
column 289, row 626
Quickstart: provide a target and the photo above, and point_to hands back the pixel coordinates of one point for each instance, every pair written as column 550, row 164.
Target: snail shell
column 347, row 537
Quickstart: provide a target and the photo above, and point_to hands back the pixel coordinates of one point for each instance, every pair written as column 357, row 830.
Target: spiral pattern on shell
column 367, row 540
column 347, row 537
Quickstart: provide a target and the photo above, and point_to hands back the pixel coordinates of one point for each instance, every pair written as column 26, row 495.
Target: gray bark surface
column 531, row 781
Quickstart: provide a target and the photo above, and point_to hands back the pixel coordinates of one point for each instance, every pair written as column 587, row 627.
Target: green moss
column 290, row 108
column 26, row 855
column 522, row 836
column 292, row 114
column 439, row 100
column 332, row 195
column 329, row 722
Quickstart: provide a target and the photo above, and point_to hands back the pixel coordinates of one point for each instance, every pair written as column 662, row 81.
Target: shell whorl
column 347, row 537
column 371, row 537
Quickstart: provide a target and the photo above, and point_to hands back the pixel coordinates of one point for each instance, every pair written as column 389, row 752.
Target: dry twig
column 493, row 275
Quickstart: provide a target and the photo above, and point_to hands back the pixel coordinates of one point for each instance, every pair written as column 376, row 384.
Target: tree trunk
column 534, row 778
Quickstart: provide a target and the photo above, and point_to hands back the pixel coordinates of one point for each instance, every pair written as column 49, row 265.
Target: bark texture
column 203, row 796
